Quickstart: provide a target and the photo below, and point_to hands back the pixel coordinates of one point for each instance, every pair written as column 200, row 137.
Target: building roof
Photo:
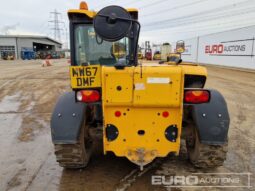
column 31, row 36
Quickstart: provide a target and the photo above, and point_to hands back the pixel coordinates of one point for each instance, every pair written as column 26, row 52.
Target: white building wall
column 235, row 48
column 9, row 42
column 22, row 42
column 191, row 46
column 232, row 48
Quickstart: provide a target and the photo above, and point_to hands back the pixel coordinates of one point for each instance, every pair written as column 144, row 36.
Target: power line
column 209, row 27
column 191, row 23
column 56, row 25
column 188, row 19
column 131, row 2
column 135, row 1
column 44, row 27
column 201, row 32
column 108, row 3
column 151, row 4
column 201, row 14
column 174, row 8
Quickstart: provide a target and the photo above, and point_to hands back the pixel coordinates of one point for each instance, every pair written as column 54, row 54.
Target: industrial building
column 14, row 44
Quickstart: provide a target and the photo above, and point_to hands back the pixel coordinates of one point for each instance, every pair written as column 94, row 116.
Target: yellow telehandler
column 140, row 111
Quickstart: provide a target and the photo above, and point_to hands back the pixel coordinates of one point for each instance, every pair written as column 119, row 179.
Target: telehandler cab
column 142, row 111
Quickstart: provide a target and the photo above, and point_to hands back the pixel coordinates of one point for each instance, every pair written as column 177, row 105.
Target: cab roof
column 91, row 14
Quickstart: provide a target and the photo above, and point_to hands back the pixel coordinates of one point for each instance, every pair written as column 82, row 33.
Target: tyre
column 73, row 156
column 203, row 155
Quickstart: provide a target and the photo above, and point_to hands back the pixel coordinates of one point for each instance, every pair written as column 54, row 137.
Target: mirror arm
column 99, row 42
column 136, row 47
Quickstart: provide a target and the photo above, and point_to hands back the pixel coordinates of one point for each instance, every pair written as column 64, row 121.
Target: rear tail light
column 88, row 96
column 196, row 96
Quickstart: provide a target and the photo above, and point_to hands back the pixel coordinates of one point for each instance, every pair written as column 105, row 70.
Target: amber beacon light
column 83, row 5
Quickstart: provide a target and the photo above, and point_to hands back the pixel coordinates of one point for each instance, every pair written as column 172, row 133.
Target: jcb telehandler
column 142, row 111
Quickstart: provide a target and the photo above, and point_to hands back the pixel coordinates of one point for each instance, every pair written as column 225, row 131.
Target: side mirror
column 112, row 23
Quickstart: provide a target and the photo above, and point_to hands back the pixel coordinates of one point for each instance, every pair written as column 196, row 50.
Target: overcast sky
column 162, row 20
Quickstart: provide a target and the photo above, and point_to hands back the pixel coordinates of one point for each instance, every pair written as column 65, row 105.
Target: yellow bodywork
column 141, row 95
column 91, row 14
column 156, row 90
column 157, row 57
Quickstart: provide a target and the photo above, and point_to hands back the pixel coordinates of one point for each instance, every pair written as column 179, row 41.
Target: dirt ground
column 28, row 93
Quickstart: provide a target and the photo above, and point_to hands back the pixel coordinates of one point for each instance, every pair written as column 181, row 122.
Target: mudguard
column 67, row 119
column 212, row 120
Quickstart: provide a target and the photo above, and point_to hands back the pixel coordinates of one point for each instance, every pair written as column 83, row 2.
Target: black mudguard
column 212, row 120
column 67, row 119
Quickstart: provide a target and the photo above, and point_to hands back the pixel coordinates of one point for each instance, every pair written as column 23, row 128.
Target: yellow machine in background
column 142, row 111
column 7, row 56
column 140, row 54
column 118, row 50
column 175, row 58
column 180, row 46
column 157, row 55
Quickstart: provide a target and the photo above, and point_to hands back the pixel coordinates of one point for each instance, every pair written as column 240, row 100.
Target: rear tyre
column 73, row 156
column 205, row 156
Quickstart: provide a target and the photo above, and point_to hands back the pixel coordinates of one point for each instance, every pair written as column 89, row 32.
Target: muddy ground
column 28, row 93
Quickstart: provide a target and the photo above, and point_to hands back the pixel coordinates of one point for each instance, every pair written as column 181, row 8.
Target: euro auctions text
column 231, row 180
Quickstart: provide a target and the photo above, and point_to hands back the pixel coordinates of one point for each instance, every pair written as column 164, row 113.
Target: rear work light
column 196, row 96
column 88, row 96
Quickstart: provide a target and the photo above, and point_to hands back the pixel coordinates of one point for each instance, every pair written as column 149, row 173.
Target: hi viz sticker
column 85, row 76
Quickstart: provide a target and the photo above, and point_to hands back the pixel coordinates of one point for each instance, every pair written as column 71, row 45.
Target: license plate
column 85, row 76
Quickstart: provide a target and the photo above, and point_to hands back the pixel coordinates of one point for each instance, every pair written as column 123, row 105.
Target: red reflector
column 196, row 96
column 165, row 114
column 88, row 96
column 117, row 113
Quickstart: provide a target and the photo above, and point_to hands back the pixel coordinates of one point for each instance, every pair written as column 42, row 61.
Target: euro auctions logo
column 175, row 180
column 221, row 48
column 230, row 48
column 214, row 49
column 218, row 180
